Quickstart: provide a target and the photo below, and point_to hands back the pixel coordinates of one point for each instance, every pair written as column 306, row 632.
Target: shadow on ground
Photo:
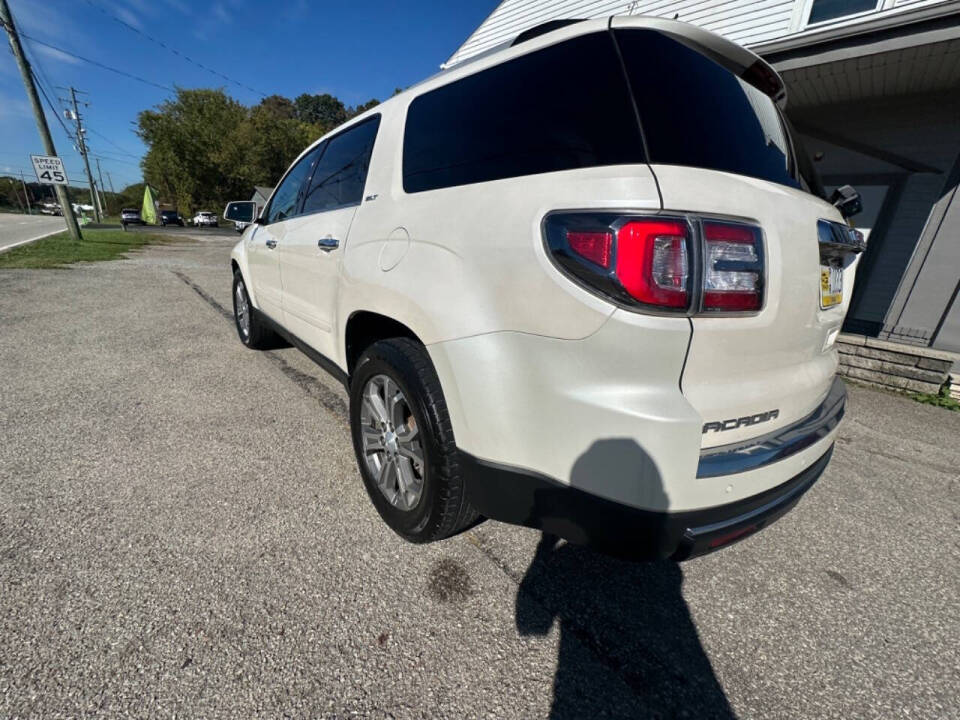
column 621, row 623
column 628, row 646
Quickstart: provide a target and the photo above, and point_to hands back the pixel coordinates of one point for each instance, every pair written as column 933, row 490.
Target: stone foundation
column 894, row 366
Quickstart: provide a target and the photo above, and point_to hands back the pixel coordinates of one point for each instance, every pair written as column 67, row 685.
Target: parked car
column 131, row 216
column 205, row 218
column 587, row 283
column 171, row 217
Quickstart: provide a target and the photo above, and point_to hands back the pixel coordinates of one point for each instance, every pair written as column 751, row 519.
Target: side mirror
column 244, row 211
column 847, row 201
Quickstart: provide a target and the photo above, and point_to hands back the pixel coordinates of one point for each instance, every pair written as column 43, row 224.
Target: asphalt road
column 183, row 532
column 20, row 229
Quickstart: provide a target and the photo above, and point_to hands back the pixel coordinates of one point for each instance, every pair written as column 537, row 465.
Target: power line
column 35, row 63
column 174, row 50
column 50, row 103
column 46, row 82
column 104, row 137
column 98, row 64
column 113, row 159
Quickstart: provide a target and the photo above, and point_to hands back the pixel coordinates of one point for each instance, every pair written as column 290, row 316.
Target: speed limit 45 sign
column 49, row 170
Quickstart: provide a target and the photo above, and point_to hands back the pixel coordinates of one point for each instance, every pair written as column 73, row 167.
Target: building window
column 824, row 10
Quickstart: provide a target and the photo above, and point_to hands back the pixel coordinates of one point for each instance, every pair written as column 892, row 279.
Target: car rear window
column 563, row 107
column 696, row 113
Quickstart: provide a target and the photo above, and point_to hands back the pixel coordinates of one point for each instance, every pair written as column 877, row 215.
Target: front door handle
column 271, row 243
column 328, row 243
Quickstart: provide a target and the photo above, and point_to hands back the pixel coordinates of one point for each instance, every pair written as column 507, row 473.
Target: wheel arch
column 365, row 327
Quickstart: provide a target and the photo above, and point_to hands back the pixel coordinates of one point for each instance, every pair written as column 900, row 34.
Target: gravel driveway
column 183, row 532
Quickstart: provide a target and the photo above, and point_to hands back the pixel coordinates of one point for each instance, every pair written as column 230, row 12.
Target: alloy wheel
column 242, row 309
column 392, row 448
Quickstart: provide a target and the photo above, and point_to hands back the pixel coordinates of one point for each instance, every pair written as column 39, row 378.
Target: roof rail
column 543, row 28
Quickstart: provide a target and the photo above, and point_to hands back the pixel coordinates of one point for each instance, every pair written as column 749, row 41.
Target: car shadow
column 628, row 646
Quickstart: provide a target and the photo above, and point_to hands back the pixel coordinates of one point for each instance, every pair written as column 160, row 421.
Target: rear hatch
column 721, row 150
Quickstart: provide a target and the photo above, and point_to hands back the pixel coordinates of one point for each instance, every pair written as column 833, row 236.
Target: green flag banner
column 149, row 210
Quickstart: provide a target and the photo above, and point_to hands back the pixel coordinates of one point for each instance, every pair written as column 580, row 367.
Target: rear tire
column 395, row 382
column 250, row 327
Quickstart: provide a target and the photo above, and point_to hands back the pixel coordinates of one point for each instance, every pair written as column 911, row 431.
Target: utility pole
column 6, row 17
column 82, row 149
column 25, row 193
column 103, row 191
column 110, row 180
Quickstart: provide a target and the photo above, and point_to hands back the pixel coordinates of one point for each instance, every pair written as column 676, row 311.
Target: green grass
column 60, row 249
column 941, row 399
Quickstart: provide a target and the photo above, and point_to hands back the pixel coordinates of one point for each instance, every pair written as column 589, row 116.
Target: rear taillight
column 652, row 261
column 732, row 267
column 670, row 264
column 597, row 247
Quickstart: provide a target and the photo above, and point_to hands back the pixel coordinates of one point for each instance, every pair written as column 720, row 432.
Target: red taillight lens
column 656, row 262
column 733, row 267
column 596, row 247
column 652, row 263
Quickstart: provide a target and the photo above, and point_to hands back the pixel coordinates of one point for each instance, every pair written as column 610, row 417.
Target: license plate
column 831, row 286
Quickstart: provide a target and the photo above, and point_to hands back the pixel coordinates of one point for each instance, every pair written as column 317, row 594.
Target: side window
column 341, row 172
column 563, row 107
column 284, row 202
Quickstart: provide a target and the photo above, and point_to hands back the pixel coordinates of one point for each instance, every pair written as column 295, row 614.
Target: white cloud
column 219, row 11
column 41, row 19
column 54, row 54
column 128, row 17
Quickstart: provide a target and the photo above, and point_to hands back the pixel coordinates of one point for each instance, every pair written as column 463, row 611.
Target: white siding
column 745, row 21
column 748, row 22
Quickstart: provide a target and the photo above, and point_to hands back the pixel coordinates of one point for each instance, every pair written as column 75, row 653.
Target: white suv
column 585, row 283
column 205, row 218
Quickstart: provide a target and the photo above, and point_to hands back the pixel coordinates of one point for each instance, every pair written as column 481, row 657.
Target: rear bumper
column 525, row 498
column 780, row 444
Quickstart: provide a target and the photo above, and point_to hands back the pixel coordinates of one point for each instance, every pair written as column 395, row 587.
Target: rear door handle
column 271, row 243
column 328, row 243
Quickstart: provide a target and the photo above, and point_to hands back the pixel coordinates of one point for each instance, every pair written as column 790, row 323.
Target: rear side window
column 341, row 172
column 559, row 108
column 695, row 112
column 283, row 204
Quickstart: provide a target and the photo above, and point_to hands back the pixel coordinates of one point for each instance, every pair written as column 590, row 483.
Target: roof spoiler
column 750, row 67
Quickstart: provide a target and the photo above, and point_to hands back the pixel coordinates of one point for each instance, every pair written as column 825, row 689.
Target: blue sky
column 354, row 50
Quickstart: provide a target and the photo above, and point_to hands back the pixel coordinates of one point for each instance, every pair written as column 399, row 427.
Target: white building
column 873, row 85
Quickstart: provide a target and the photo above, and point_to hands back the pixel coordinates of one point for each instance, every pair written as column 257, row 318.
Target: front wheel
column 404, row 442
column 251, row 329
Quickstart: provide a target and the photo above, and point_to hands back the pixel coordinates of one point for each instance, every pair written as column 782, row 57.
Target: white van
column 586, row 283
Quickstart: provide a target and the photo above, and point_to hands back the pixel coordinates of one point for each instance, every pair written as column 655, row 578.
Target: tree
column 187, row 137
column 354, row 111
column 262, row 148
column 279, row 106
column 325, row 111
column 131, row 196
column 205, row 148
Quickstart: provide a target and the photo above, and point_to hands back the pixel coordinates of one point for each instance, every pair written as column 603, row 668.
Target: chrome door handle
column 271, row 243
column 328, row 243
